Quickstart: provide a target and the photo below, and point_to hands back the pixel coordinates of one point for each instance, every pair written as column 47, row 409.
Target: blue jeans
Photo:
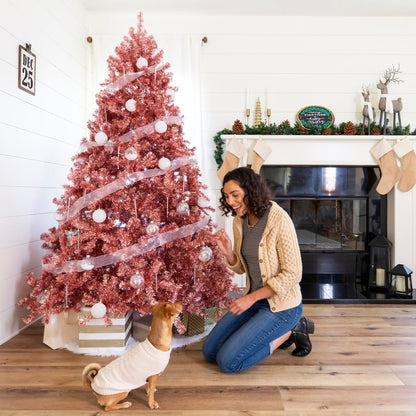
column 238, row 342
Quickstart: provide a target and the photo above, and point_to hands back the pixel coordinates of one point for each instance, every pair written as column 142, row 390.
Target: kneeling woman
column 268, row 315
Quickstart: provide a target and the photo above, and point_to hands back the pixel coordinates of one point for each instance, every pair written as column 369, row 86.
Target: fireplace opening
column 336, row 212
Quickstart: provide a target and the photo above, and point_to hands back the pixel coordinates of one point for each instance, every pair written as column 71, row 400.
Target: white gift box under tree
column 96, row 337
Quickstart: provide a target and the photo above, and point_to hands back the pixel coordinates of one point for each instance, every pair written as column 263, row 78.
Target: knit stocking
column 233, row 155
column 405, row 152
column 390, row 172
column 261, row 152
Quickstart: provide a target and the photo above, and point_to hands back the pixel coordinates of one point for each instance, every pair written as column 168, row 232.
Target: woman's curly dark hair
column 257, row 194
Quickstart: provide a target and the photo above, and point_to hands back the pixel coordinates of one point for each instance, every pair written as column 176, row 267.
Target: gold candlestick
column 247, row 115
column 269, row 113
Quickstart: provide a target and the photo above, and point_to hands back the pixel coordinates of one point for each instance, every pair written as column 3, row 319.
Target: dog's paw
column 154, row 404
column 115, row 406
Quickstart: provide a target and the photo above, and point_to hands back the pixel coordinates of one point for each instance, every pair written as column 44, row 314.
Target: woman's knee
column 228, row 364
column 208, row 352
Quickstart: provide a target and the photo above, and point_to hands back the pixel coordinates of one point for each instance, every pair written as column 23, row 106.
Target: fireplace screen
column 328, row 224
column 332, row 208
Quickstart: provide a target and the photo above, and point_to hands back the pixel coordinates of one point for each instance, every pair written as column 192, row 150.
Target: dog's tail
column 88, row 374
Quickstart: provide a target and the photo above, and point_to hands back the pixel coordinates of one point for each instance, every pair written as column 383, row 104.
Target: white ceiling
column 258, row 7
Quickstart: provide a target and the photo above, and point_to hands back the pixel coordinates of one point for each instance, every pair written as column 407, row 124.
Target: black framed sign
column 315, row 115
column 27, row 69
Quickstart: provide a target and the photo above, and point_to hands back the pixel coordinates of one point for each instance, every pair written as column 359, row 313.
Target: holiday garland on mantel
column 285, row 128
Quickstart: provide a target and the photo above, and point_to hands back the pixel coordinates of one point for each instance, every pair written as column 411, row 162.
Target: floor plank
column 363, row 362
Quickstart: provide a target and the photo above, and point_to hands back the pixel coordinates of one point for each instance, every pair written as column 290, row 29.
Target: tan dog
column 142, row 364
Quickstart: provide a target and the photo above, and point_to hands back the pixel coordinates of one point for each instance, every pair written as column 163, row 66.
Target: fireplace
column 394, row 215
column 336, row 212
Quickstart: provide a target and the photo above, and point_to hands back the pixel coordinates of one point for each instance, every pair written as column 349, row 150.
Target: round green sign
column 315, row 115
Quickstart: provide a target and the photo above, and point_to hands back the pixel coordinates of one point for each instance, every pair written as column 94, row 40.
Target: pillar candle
column 400, row 284
column 380, row 278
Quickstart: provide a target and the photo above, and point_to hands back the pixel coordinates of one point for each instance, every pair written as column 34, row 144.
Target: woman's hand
column 225, row 245
column 240, row 305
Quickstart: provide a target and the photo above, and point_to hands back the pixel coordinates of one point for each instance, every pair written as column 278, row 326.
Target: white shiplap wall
column 38, row 135
column 300, row 60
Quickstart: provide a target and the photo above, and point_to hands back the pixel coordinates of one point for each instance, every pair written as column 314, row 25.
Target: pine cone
column 238, row 127
column 282, row 126
column 327, row 131
column 349, row 128
column 375, row 131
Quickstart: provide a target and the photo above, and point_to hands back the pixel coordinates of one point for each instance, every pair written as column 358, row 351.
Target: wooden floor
column 363, row 363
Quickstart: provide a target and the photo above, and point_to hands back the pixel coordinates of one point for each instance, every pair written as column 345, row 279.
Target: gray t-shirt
column 250, row 249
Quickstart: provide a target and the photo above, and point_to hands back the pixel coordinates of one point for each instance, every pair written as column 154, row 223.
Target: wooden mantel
column 341, row 150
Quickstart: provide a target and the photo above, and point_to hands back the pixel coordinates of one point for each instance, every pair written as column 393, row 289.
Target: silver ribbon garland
column 114, row 186
column 131, row 251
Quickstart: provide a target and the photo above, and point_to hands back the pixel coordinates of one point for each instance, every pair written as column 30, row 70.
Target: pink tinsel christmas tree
column 133, row 225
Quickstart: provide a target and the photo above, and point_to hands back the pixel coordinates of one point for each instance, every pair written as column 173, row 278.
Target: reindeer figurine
column 386, row 105
column 368, row 110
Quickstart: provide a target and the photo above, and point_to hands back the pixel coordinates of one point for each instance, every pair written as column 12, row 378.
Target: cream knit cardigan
column 279, row 258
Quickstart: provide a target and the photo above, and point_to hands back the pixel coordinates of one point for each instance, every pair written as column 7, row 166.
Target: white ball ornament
column 205, row 254
column 60, row 217
column 152, row 229
column 141, row 62
column 98, row 310
column 87, row 264
column 100, row 138
column 131, row 105
column 129, row 181
column 161, row 126
column 164, row 163
column 99, row 215
column 136, row 281
column 183, row 207
column 131, row 153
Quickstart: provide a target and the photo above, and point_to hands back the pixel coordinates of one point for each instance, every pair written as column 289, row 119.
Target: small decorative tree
column 133, row 225
column 257, row 113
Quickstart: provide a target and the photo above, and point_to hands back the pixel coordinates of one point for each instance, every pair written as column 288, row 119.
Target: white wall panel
column 39, row 134
column 24, row 172
column 27, row 200
column 35, row 146
column 30, row 116
column 19, row 260
column 19, row 230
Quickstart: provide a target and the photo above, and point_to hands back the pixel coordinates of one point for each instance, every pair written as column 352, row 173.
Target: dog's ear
column 171, row 310
column 178, row 307
column 152, row 308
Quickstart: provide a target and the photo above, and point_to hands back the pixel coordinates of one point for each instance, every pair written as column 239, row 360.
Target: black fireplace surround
column 336, row 212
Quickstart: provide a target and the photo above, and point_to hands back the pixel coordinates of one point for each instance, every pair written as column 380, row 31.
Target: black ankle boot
column 287, row 343
column 301, row 339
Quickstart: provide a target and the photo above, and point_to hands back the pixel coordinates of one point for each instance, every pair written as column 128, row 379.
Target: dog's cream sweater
column 131, row 370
